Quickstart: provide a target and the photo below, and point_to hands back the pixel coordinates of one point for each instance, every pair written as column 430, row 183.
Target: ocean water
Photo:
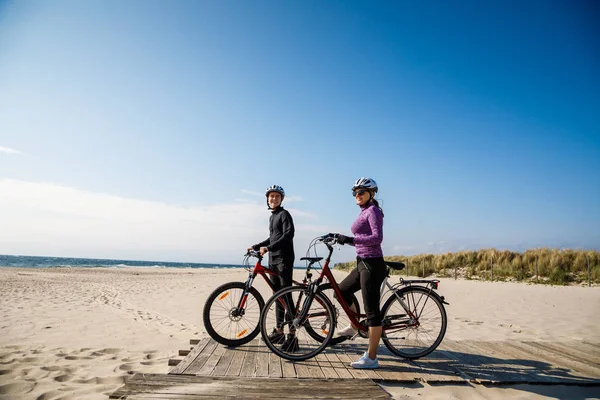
column 47, row 262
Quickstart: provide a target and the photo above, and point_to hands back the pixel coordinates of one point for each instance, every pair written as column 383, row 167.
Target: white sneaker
column 365, row 362
column 348, row 331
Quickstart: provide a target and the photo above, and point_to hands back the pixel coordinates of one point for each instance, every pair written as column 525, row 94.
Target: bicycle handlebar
column 253, row 253
column 329, row 239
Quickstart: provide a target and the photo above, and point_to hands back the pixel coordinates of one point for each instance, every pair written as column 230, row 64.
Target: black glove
column 345, row 239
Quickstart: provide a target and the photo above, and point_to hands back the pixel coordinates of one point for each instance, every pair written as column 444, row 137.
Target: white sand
column 68, row 333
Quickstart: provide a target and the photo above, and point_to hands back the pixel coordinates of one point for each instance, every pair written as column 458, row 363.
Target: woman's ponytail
column 378, row 206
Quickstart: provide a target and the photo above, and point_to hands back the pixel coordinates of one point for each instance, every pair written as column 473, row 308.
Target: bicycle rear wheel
column 227, row 324
column 413, row 338
column 293, row 302
column 341, row 318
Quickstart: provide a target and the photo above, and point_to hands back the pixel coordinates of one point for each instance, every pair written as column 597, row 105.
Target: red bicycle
column 232, row 311
column 413, row 316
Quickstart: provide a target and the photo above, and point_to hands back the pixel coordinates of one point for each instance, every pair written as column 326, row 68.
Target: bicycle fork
column 239, row 310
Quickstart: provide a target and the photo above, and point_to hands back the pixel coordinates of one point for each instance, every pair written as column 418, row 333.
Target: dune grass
column 543, row 265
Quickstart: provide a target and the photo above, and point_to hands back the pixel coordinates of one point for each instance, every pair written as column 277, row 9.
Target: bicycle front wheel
column 225, row 322
column 292, row 310
column 416, row 337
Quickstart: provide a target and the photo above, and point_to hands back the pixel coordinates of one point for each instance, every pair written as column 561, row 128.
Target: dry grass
column 553, row 266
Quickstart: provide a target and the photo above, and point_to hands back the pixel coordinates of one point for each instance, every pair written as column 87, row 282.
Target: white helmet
column 275, row 188
column 365, row 183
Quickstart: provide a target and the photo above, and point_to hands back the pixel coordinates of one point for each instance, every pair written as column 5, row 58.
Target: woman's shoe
column 347, row 331
column 365, row 362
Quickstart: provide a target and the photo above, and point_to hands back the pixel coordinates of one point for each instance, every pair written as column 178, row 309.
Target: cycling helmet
column 365, row 183
column 275, row 188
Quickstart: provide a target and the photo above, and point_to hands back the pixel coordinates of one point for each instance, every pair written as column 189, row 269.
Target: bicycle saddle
column 395, row 265
column 312, row 259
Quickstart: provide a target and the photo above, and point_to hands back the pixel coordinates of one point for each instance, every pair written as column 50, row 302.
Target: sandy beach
column 79, row 333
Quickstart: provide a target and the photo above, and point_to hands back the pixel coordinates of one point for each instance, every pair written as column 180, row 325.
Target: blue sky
column 150, row 129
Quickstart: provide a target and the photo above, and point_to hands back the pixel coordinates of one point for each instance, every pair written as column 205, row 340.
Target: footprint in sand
column 72, row 370
column 16, row 389
column 151, row 362
column 73, row 358
column 51, row 368
column 514, row 328
column 126, row 367
column 476, row 323
column 64, row 378
column 110, row 350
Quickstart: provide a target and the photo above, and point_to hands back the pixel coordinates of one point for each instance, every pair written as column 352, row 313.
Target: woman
column 370, row 268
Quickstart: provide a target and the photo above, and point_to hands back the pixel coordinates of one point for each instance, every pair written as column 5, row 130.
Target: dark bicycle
column 413, row 316
column 232, row 311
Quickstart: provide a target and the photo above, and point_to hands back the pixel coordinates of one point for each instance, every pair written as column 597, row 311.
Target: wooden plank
column 398, row 369
column 302, row 371
column 468, row 364
column 181, row 367
column 578, row 371
column 201, row 387
column 175, row 396
column 314, row 369
column 586, row 347
column 224, row 362
column 198, row 362
column 338, row 366
column 439, row 370
column 275, row 369
column 249, row 364
column 236, row 362
column 288, row 369
column 326, row 366
column 513, row 362
column 593, row 344
column 262, row 362
column 356, row 373
column 571, row 352
column 211, row 362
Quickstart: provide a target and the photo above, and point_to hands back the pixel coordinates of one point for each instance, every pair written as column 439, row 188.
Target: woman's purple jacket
column 368, row 232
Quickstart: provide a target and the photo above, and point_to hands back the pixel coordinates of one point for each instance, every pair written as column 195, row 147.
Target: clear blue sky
column 150, row 129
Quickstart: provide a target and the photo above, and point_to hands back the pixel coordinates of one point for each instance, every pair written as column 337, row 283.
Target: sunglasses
column 359, row 192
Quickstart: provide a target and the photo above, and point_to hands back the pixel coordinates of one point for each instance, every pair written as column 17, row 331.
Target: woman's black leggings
column 367, row 277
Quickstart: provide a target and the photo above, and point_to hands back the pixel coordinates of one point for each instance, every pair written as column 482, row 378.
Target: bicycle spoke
column 227, row 324
column 309, row 337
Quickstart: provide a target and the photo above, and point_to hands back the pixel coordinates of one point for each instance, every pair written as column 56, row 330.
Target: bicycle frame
column 353, row 316
column 263, row 271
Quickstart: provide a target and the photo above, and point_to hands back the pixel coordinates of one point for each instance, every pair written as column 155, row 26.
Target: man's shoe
column 365, row 362
column 291, row 344
column 348, row 331
column 276, row 337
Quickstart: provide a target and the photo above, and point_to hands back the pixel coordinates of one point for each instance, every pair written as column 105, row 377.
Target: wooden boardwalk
column 254, row 372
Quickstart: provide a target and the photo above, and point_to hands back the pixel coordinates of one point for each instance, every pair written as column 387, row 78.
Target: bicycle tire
column 428, row 317
column 340, row 316
column 322, row 310
column 232, row 330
